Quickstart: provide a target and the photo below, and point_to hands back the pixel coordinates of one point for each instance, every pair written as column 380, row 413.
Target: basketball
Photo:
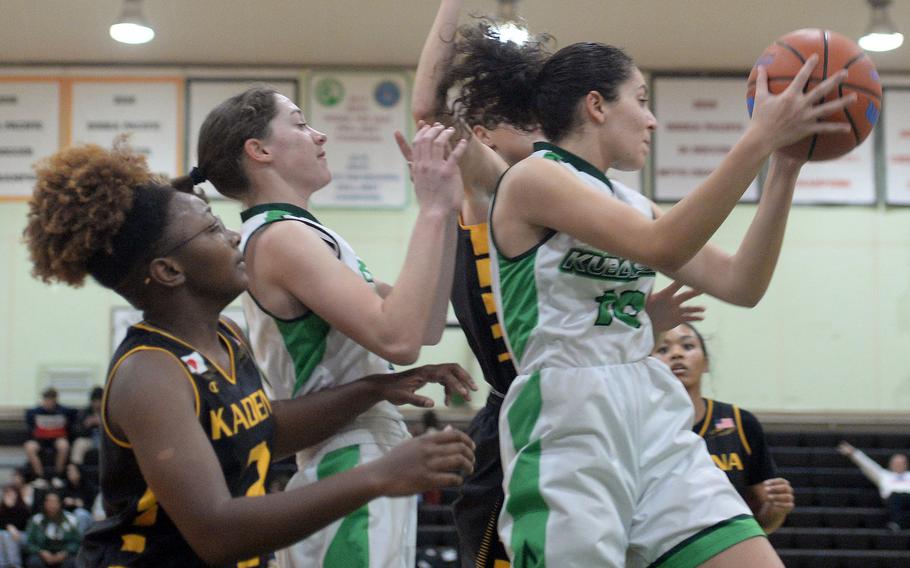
column 783, row 60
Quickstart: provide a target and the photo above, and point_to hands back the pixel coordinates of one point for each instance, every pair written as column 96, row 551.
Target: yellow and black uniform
column 235, row 415
column 736, row 443
column 477, row 509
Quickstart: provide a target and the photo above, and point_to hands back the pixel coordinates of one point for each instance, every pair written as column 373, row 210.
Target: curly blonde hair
column 93, row 211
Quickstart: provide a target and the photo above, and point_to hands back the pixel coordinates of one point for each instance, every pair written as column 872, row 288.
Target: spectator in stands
column 734, row 437
column 14, row 514
column 25, row 489
column 49, row 425
column 78, row 496
column 893, row 483
column 87, row 429
column 52, row 536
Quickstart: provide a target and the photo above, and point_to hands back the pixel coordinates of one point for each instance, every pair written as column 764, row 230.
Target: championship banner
column 848, row 180
column 699, row 119
column 29, row 131
column 148, row 109
column 896, row 122
column 359, row 111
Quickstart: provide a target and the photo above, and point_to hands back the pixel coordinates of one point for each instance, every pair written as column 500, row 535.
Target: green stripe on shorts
column 525, row 503
column 704, row 545
column 350, row 547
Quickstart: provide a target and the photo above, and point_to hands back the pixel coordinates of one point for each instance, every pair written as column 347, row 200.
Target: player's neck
column 269, row 187
column 197, row 327
column 698, row 403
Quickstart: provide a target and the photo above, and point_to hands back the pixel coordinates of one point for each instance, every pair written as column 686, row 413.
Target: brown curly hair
column 94, row 211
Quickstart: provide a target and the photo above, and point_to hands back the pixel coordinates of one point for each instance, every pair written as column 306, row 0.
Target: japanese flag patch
column 195, row 362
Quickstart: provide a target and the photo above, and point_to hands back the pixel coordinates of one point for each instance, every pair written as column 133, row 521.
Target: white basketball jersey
column 566, row 303
column 305, row 354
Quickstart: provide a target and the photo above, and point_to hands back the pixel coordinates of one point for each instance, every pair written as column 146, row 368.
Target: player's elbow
column 750, row 300
column 423, row 110
column 666, row 259
column 213, row 550
column 398, row 349
column 402, row 354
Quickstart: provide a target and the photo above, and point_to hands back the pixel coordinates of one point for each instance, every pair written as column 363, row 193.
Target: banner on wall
column 204, row 94
column 848, row 180
column 359, row 111
column 699, row 119
column 29, row 131
column 896, row 122
column 148, row 109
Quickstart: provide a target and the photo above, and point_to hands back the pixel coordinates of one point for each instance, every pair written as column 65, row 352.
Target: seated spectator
column 87, row 430
column 893, row 483
column 52, row 537
column 78, row 496
column 14, row 514
column 49, row 427
column 26, row 490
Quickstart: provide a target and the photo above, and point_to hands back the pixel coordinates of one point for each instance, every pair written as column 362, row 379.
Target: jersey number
column 625, row 307
column 261, row 456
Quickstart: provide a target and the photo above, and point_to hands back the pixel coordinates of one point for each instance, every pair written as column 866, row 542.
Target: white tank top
column 566, row 303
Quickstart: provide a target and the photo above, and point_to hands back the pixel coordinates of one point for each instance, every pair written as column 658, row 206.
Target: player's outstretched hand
column 845, row 448
column 434, row 167
column 667, row 308
column 793, row 114
column 399, row 388
column 431, row 461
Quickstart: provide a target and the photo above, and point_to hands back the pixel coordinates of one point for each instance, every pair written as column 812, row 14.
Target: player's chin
column 632, row 163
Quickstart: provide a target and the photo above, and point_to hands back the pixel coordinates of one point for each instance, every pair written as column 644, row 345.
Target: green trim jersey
column 566, row 303
column 600, row 467
column 305, row 354
column 235, row 415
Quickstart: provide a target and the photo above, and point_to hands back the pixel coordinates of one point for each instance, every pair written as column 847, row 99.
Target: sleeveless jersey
column 235, row 415
column 736, row 443
column 475, row 308
column 305, row 354
column 566, row 303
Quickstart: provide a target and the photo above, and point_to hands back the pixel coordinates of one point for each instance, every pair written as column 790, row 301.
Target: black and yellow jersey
column 236, row 416
column 736, row 443
column 472, row 299
column 478, row 506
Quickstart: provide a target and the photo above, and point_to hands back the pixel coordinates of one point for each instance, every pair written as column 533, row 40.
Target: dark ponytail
column 569, row 75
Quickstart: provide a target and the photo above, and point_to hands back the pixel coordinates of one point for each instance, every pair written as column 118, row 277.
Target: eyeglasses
column 215, row 224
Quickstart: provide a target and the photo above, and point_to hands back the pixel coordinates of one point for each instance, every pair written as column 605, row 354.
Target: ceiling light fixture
column 132, row 27
column 882, row 33
column 510, row 26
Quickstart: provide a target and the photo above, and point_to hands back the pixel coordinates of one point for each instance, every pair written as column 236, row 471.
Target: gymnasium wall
column 831, row 334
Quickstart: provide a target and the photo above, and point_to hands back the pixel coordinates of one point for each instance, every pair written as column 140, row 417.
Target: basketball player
column 188, row 431
column 317, row 316
column 460, row 60
column 601, row 467
column 734, row 436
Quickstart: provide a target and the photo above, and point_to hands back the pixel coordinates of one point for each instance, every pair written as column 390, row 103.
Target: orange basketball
column 783, row 60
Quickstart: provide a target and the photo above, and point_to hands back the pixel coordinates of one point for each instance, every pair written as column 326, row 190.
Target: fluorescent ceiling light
column 882, row 33
column 132, row 27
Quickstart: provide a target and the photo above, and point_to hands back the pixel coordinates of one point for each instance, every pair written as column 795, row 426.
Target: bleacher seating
column 839, row 520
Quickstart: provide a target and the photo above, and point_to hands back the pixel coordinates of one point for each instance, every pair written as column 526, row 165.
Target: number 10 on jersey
column 625, row 307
